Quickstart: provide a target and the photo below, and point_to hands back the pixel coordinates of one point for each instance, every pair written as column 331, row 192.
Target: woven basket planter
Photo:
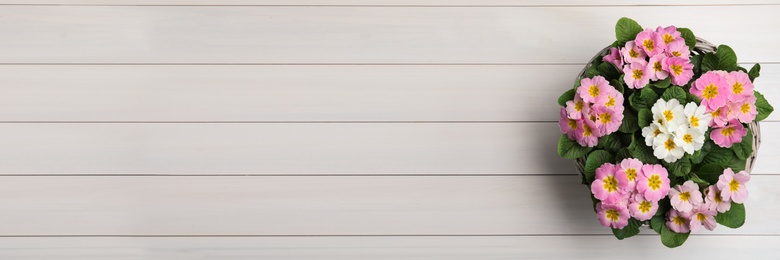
column 702, row 47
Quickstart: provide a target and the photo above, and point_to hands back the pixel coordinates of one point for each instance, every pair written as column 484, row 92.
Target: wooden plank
column 485, row 247
column 283, row 34
column 357, row 205
column 298, row 149
column 174, row 93
column 386, row 2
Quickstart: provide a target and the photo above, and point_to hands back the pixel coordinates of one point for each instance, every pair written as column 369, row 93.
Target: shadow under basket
column 702, row 46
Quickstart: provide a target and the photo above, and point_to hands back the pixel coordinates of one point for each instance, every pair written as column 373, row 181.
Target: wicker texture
column 702, row 46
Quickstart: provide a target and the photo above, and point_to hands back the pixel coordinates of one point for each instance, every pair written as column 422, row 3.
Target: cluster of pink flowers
column 691, row 209
column 629, row 189
column 596, row 111
column 729, row 98
column 653, row 55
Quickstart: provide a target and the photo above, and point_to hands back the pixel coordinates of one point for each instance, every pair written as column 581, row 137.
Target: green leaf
column 629, row 123
column 709, row 62
column 657, row 222
column 679, row 168
column 744, row 149
column 720, row 156
column 672, row 239
column 701, row 182
column 734, row 218
column 699, row 155
column 621, row 154
column 687, row 34
column 693, row 98
column 641, row 151
column 727, row 59
column 570, row 149
column 566, row 96
column 626, row 30
column 594, row 161
column 710, row 172
column 645, row 117
column 617, row 85
column 610, row 142
column 665, row 83
column 592, row 71
column 762, row 106
column 696, row 61
column 628, row 231
column 608, row 70
column 675, row 93
column 737, row 164
column 754, row 72
column 645, row 98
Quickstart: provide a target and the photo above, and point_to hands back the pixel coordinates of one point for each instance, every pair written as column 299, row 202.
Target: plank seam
column 396, row 6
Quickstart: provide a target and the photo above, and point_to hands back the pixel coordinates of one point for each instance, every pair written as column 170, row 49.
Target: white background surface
column 334, row 129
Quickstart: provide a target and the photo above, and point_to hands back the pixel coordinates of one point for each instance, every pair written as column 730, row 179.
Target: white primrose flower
column 664, row 147
column 697, row 117
column 689, row 138
column 668, row 115
column 651, row 132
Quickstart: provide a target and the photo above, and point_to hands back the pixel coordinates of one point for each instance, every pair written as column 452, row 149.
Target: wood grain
column 362, row 205
column 460, row 3
column 297, row 148
column 481, row 247
column 295, row 35
column 378, row 93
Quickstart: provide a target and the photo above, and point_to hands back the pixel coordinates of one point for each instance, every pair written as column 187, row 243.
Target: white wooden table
column 328, row 129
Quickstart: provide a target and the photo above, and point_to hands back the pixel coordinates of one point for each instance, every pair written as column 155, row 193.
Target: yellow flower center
column 687, row 138
column 660, row 121
column 745, row 108
column 633, row 53
column 637, row 74
column 631, row 174
column 579, row 105
column 718, row 199
column 678, row 220
column 572, row 124
column 734, row 185
column 668, row 38
column 610, row 184
column 728, row 131
column 677, row 69
column 710, row 91
column 593, row 91
column 654, row 182
column 657, row 66
column 715, row 113
column 613, row 215
column 611, row 102
column 656, row 132
column 669, row 144
column 684, row 196
column 587, row 132
column 700, row 217
column 668, row 115
column 605, row 118
column 676, row 53
column 645, row 206
column 737, row 88
column 649, row 45
column 694, row 121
